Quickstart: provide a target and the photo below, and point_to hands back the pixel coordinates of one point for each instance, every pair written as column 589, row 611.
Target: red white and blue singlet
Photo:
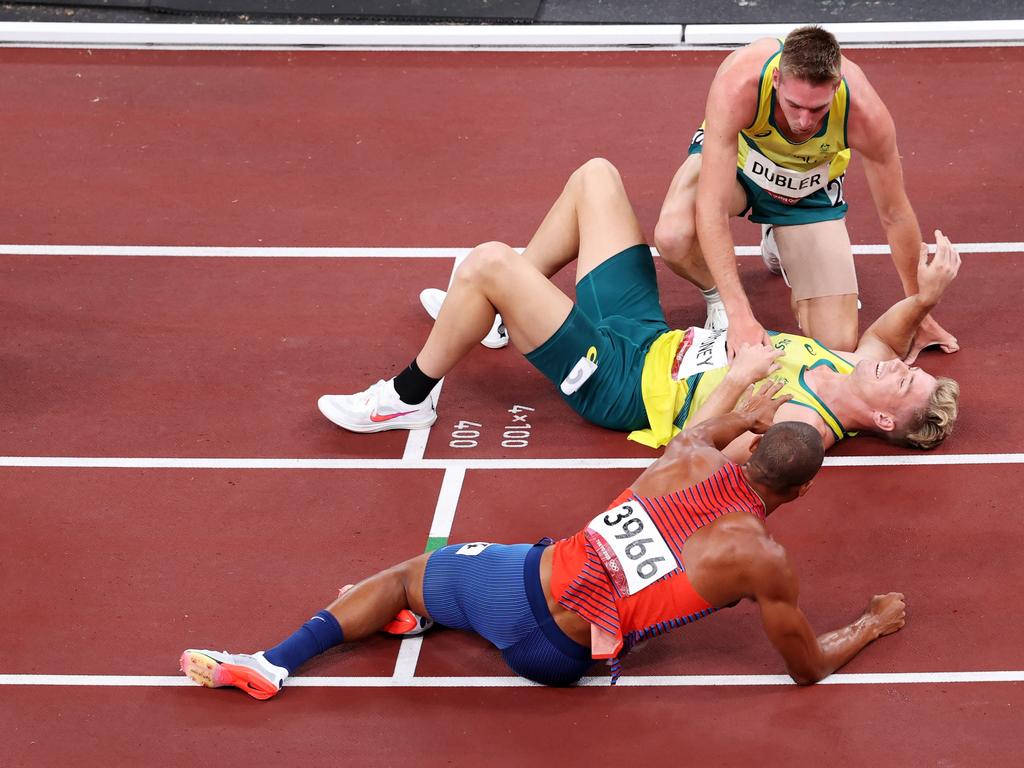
column 624, row 572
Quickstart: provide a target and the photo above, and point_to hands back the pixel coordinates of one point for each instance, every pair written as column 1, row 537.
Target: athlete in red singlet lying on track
column 688, row 537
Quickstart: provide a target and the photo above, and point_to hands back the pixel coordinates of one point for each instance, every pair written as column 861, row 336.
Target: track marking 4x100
column 372, row 253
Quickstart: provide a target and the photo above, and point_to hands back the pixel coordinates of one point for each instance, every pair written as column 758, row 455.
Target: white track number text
column 465, row 434
column 517, row 434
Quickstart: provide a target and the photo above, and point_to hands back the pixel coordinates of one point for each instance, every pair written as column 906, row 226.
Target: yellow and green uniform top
column 785, row 170
column 670, row 404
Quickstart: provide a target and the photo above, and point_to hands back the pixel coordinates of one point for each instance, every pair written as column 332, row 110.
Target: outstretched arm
column 730, row 108
column 809, row 658
column 890, row 336
column 872, row 134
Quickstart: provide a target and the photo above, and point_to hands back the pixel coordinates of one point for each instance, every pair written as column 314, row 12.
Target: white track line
column 447, row 501
column 408, row 657
column 470, row 36
column 863, row 32
column 416, row 443
column 293, row 252
column 440, row 527
column 87, row 34
column 626, row 681
column 96, row 462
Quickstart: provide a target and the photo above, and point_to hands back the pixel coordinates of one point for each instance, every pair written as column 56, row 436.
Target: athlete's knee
column 837, row 339
column 597, row 178
column 487, row 263
column 675, row 236
column 483, row 259
column 837, row 335
column 832, row 320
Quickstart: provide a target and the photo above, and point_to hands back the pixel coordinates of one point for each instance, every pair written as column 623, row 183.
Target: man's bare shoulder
column 768, row 570
column 683, row 464
column 732, row 100
column 742, row 67
column 852, row 72
column 870, row 123
column 760, row 564
column 796, row 412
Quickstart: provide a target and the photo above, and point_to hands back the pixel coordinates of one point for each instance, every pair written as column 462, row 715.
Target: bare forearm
column 897, row 326
column 722, row 399
column 720, row 429
column 904, row 236
column 841, row 645
column 720, row 256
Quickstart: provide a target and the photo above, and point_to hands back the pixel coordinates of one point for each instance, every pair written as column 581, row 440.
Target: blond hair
column 811, row 54
column 935, row 423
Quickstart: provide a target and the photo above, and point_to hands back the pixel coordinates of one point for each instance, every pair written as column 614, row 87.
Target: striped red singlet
column 580, row 580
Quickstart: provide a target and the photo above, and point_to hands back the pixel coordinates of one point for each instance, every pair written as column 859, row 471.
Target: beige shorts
column 817, row 259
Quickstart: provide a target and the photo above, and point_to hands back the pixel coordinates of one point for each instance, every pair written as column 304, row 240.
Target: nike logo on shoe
column 377, row 418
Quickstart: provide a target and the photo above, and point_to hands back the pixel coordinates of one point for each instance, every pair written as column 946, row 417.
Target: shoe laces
column 717, row 317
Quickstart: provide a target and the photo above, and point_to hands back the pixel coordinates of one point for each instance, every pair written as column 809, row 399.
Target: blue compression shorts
column 494, row 590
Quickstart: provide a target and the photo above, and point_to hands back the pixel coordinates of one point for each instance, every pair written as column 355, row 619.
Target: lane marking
column 89, row 34
column 507, row 48
column 447, row 501
column 440, row 527
column 469, row 36
column 626, row 681
column 408, row 656
column 865, row 32
column 104, row 462
column 290, row 252
column 416, row 442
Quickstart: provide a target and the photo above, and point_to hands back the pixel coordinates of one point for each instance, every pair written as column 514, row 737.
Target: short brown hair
column 811, row 54
column 936, row 421
column 788, row 455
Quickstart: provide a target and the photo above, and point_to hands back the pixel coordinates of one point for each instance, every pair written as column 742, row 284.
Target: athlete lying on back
column 617, row 362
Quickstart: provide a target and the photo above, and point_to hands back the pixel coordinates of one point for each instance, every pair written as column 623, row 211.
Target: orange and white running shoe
column 405, row 624
column 250, row 672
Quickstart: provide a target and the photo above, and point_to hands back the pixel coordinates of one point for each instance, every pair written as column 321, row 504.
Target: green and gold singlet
column 670, row 403
column 791, row 183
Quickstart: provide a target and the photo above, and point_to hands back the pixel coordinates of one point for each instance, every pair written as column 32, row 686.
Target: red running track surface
column 115, row 571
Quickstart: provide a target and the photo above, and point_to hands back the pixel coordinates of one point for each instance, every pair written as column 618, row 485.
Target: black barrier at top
column 493, row 11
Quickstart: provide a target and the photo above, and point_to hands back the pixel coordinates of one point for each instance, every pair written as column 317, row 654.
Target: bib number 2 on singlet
column 633, row 551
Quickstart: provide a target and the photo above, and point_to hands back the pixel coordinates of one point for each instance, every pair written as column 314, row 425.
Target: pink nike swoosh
column 377, row 418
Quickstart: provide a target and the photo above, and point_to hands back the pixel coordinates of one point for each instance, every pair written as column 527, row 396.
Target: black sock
column 413, row 385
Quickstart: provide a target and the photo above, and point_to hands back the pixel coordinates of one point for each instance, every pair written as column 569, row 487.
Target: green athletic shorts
column 824, row 205
column 616, row 317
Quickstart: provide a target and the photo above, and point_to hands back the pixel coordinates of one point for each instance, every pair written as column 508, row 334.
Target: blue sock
column 311, row 639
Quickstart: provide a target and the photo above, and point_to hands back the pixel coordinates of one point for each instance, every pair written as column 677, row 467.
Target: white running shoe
column 433, row 298
column 770, row 250
column 250, row 672
column 717, row 320
column 376, row 409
